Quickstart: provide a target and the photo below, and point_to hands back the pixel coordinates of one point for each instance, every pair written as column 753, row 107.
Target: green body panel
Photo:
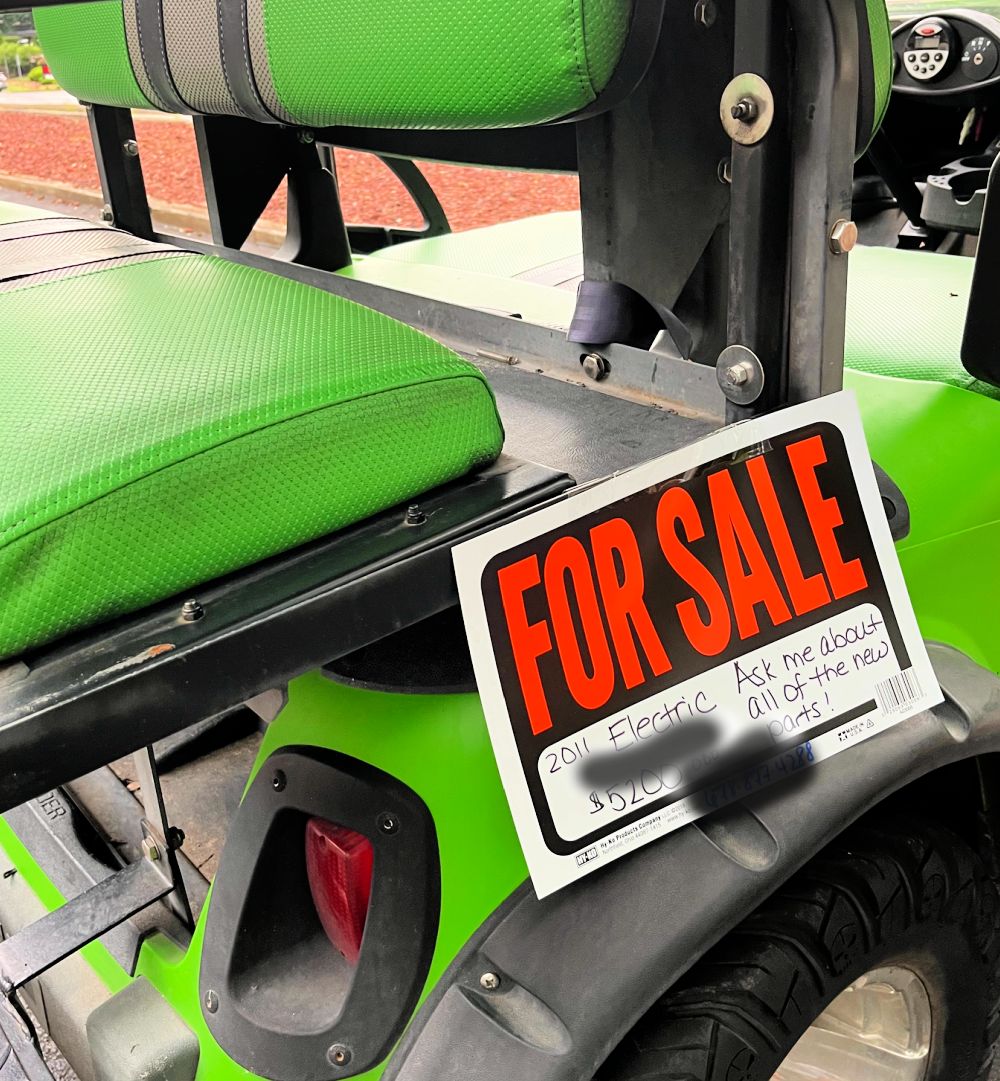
column 224, row 414
column 441, row 63
column 534, row 303
column 504, row 250
column 85, row 47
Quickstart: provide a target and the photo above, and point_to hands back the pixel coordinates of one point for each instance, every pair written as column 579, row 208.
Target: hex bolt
column 489, row 981
column 705, row 12
column 149, row 849
column 387, row 822
column 192, row 610
column 278, row 781
column 725, row 171
column 414, row 515
column 131, row 147
column 211, row 1001
column 339, row 1054
column 738, row 374
column 745, row 110
column 595, row 366
column 843, row 236
column 107, row 214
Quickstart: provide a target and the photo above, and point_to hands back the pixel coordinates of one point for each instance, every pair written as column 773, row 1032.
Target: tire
column 888, row 892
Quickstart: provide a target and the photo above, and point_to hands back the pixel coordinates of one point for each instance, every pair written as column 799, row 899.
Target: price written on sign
column 719, row 613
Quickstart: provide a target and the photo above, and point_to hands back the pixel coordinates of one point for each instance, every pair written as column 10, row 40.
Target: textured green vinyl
column 85, row 46
column 883, row 62
column 441, row 63
column 180, row 418
column 906, row 314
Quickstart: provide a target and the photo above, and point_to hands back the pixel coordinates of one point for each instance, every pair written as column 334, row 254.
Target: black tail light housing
column 276, row 992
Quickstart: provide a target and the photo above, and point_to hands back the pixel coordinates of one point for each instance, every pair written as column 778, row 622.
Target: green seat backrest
column 373, row 63
column 370, row 63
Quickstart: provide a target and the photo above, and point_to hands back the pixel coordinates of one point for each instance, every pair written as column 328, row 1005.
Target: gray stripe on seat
column 236, row 60
column 191, row 32
column 62, row 261
column 135, row 54
column 16, row 230
column 149, row 16
column 87, row 268
column 258, row 58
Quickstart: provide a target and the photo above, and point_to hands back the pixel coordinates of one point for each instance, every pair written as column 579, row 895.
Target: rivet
column 211, row 1001
column 278, row 781
column 489, row 981
column 414, row 515
column 843, row 236
column 387, row 822
column 192, row 610
column 131, row 147
column 339, row 1055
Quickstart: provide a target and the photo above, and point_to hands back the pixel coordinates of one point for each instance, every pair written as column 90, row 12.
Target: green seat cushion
column 182, row 417
column 906, row 315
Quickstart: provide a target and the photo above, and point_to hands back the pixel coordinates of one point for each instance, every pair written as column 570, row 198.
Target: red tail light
column 339, row 866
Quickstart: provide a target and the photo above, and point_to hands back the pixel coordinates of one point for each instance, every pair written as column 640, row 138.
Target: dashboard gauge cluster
column 950, row 54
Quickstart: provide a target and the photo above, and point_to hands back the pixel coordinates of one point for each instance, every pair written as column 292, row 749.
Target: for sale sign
column 681, row 635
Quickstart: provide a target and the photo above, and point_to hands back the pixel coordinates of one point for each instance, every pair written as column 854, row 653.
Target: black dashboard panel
column 951, row 55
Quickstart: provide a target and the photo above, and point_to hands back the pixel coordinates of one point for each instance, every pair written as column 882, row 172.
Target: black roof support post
column 117, row 152
column 788, row 288
column 759, row 211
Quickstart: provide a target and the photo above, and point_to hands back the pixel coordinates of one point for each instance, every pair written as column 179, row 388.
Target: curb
column 179, row 217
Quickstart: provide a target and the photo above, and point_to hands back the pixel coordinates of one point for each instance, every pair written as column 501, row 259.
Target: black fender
column 580, row 967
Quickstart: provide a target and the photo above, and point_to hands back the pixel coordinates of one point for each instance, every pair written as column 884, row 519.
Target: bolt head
column 131, row 147
column 595, row 366
column 414, row 515
column 843, row 236
column 211, row 1001
column 339, row 1055
column 387, row 822
column 738, row 374
column 489, row 981
column 149, row 849
column 107, row 214
column 278, row 781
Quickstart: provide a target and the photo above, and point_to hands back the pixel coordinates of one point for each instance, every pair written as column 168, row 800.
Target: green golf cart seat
column 178, row 416
column 181, row 416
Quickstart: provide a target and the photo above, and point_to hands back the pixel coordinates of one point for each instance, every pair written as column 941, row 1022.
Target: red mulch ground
column 57, row 148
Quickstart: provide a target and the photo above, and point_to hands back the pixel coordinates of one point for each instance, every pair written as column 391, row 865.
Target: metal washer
column 752, row 87
column 733, row 361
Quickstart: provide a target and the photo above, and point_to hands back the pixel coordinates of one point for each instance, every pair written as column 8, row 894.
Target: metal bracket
column 46, row 942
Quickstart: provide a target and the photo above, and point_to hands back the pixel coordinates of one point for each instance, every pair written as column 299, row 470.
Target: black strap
column 615, row 312
column 235, row 43
column 153, row 43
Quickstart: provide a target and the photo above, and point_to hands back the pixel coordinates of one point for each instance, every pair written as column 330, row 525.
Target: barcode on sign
column 898, row 691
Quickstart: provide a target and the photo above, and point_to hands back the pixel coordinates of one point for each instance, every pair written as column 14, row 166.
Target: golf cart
column 232, row 483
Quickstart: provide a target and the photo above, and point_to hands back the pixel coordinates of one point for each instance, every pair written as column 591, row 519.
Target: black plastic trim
column 263, row 938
